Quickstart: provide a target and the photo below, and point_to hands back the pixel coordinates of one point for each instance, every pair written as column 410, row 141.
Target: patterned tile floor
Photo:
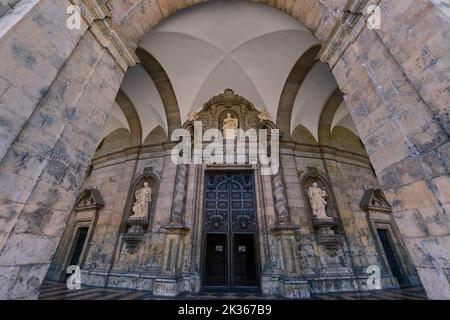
column 58, row 291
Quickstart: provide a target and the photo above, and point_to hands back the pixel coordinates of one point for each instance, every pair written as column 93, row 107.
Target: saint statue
column 317, row 200
column 230, row 126
column 143, row 198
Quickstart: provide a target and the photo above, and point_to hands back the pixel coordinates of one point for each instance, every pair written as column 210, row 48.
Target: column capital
column 353, row 19
column 108, row 33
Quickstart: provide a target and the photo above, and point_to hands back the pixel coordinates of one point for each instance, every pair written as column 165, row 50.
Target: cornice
column 107, row 33
column 353, row 20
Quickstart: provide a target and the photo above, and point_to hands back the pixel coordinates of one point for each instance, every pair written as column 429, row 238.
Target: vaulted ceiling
column 245, row 46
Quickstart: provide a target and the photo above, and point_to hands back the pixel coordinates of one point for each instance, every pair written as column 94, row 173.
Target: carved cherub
column 192, row 116
column 264, row 115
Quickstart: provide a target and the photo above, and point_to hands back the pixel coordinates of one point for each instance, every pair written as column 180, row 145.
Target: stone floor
column 58, row 291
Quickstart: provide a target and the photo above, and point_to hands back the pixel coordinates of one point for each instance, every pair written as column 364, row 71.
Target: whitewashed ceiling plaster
column 116, row 120
column 248, row 47
column 141, row 90
column 245, row 46
column 343, row 118
column 314, row 93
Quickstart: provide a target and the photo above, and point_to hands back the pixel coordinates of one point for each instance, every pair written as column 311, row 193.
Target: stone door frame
column 199, row 232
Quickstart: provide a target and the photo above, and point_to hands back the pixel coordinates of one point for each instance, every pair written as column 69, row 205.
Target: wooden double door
column 230, row 232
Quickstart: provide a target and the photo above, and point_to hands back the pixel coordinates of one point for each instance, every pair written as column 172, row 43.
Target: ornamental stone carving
column 230, row 111
column 89, row 199
column 192, row 116
column 264, row 116
column 179, row 200
column 280, row 200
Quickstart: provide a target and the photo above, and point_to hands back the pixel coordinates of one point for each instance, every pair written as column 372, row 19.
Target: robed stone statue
column 143, row 199
column 230, row 126
column 317, row 200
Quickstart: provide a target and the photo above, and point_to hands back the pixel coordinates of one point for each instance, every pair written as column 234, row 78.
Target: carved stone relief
column 89, row 199
column 229, row 111
column 280, row 200
column 178, row 206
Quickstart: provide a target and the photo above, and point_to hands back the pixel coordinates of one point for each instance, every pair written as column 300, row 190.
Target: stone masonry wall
column 406, row 138
column 54, row 102
column 395, row 81
column 110, row 263
column 348, row 179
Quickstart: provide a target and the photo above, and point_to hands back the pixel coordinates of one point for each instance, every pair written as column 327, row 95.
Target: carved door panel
column 216, row 260
column 230, row 215
column 244, row 264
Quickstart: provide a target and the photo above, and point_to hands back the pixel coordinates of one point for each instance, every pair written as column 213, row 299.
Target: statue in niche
column 317, row 199
column 143, row 199
column 230, row 126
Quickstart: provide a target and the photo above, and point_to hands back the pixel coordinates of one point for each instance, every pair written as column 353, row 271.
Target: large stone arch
column 395, row 82
column 326, row 118
column 132, row 117
column 136, row 18
column 131, row 137
column 337, row 137
column 165, row 89
column 291, row 88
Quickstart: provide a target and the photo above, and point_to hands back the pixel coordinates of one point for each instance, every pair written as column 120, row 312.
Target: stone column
column 170, row 282
column 396, row 83
column 279, row 191
column 179, row 199
column 284, row 232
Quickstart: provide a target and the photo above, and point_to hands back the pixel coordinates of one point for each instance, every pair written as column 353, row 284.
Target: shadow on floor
column 58, row 291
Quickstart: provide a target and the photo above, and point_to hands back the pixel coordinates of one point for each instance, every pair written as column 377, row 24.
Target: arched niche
column 307, row 178
column 153, row 180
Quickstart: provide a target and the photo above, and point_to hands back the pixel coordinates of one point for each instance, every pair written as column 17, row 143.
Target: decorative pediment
column 89, row 199
column 228, row 99
column 230, row 105
column 374, row 200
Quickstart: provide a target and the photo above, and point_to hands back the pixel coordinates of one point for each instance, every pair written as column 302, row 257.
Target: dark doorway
column 231, row 259
column 388, row 249
column 78, row 247
column 244, row 260
column 216, row 260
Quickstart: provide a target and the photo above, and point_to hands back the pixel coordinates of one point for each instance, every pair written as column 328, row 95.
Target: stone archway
column 132, row 117
column 56, row 92
column 291, row 87
column 164, row 86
